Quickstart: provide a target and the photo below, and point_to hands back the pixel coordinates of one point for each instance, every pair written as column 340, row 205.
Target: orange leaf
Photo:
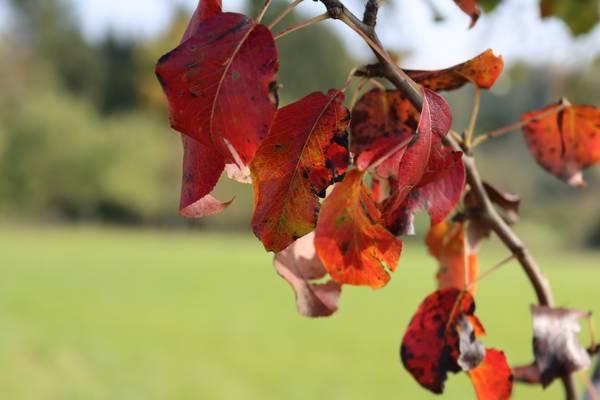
column 350, row 239
column 482, row 71
column 302, row 155
column 446, row 242
column 493, row 378
column 564, row 142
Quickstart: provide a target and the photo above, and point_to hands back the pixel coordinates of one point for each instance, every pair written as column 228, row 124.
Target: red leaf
column 220, row 84
column 382, row 121
column 202, row 168
column 422, row 158
column 565, row 142
column 471, row 8
column 350, row 239
column 493, row 378
column 299, row 265
column 482, row 71
column 430, row 345
column 446, row 242
column 555, row 345
column 303, row 154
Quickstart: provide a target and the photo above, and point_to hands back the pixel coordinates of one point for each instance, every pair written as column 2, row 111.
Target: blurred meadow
column 106, row 293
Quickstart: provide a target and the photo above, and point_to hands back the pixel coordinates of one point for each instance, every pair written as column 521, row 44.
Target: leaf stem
column 263, row 11
column 302, row 24
column 284, row 13
column 514, row 126
column 473, row 119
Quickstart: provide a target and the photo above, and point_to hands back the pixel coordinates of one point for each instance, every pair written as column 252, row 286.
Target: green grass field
column 111, row 314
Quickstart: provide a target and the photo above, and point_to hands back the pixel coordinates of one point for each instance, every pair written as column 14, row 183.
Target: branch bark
column 402, row 82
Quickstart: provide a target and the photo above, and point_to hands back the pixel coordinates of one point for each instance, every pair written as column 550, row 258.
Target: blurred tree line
column 84, row 134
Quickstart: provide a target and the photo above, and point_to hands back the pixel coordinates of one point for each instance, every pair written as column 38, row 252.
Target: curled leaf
column 492, row 379
column 304, row 152
column 299, row 266
column 482, row 71
column 446, row 242
column 555, row 345
column 471, row 8
column 430, row 347
column 220, row 84
column 350, row 239
column 202, row 168
column 564, row 142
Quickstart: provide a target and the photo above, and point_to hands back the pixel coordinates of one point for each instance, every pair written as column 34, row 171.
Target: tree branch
column 411, row 90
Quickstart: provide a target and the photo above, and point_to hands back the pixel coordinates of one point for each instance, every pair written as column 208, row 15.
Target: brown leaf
column 555, row 345
column 299, row 266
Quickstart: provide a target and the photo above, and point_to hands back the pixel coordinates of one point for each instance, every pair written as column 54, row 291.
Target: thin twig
column 284, row 13
column 302, row 24
column 490, row 271
column 515, row 126
column 473, row 119
column 263, row 11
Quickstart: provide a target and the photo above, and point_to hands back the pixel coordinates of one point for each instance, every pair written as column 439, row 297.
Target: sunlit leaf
column 492, row 379
column 564, row 142
column 350, row 240
column 300, row 267
column 304, row 153
column 482, row 71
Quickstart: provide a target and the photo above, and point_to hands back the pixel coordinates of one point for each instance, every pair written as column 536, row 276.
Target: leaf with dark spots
column 430, row 347
column 446, row 242
column 350, row 239
column 555, row 345
column 382, row 121
column 202, row 168
column 492, row 379
column 295, row 164
column 471, row 8
column 566, row 142
column 580, row 16
column 300, row 267
column 482, row 71
column 206, row 102
column 421, row 160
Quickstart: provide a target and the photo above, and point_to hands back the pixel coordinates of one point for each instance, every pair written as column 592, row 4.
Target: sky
column 514, row 30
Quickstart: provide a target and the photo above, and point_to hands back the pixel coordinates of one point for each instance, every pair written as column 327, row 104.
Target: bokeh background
column 106, row 293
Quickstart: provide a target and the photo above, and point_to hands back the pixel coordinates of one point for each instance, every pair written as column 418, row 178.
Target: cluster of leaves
column 580, row 16
column 374, row 165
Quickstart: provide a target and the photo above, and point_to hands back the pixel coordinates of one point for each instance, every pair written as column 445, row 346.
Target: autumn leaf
column 383, row 124
column 580, row 16
column 482, row 71
column 430, row 347
column 471, row 8
column 446, row 242
column 202, row 168
column 555, row 345
column 220, row 84
column 423, row 163
column 350, row 239
column 471, row 350
column 564, row 142
column 300, row 267
column 492, row 379
column 304, row 153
